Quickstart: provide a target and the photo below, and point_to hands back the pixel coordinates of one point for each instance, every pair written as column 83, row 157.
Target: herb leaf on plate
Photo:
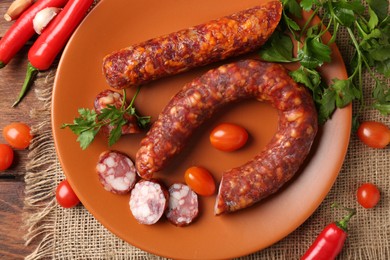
column 89, row 123
column 368, row 28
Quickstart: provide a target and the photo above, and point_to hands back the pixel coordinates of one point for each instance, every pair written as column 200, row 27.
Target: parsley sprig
column 89, row 123
column 369, row 32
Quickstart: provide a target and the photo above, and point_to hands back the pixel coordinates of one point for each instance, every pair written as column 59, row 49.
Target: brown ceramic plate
column 114, row 24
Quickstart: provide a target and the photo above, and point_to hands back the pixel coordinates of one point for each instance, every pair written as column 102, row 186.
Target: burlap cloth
column 75, row 234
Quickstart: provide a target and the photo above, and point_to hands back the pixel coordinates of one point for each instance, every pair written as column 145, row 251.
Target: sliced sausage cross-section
column 116, row 172
column 183, row 205
column 148, row 201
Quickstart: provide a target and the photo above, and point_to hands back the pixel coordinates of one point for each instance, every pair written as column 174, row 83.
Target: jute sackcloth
column 75, row 234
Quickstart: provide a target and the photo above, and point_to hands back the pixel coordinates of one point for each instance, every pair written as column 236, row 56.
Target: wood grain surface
column 12, row 180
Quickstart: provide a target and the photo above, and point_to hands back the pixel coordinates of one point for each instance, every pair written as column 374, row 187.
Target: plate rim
column 347, row 110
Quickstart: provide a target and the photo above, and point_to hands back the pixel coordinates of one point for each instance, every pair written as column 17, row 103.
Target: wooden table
column 12, row 180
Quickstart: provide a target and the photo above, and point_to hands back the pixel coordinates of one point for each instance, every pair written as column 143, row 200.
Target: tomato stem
column 2, row 65
column 30, row 76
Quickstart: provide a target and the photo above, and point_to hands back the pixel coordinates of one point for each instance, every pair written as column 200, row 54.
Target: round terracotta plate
column 114, row 24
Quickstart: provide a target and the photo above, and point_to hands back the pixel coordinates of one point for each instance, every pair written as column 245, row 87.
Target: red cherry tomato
column 374, row 134
column 200, row 180
column 65, row 195
column 228, row 137
column 368, row 195
column 6, row 156
column 18, row 135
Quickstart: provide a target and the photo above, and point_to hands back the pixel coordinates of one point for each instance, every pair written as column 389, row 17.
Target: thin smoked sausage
column 198, row 100
column 203, row 44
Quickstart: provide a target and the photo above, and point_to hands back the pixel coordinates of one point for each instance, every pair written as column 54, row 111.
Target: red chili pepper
column 330, row 241
column 53, row 39
column 22, row 30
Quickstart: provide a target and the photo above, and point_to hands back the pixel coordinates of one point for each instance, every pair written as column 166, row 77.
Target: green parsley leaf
column 343, row 13
column 381, row 53
column 373, row 22
column 314, row 53
column 86, row 119
column 327, row 105
column 143, row 121
column 383, row 108
column 84, row 127
column 292, row 7
column 291, row 24
column 89, row 123
column 384, row 67
column 278, row 49
column 381, row 94
column 369, row 32
column 307, row 4
column 310, row 78
column 300, row 76
column 116, row 132
column 85, row 138
column 345, row 92
column 380, row 7
column 111, row 114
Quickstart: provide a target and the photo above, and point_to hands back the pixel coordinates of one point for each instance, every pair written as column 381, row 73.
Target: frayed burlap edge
column 39, row 215
column 39, row 201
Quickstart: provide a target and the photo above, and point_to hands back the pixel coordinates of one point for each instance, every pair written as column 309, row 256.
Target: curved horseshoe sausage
column 203, row 44
column 198, row 100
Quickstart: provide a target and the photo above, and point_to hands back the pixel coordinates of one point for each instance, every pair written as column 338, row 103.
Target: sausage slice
column 116, row 172
column 183, row 205
column 148, row 201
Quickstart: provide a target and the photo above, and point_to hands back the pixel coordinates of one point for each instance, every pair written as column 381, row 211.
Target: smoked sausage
column 198, row 100
column 203, row 44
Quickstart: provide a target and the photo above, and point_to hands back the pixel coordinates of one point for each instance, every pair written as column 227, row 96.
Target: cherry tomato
column 374, row 134
column 18, row 135
column 6, row 156
column 65, row 195
column 200, row 180
column 228, row 137
column 368, row 195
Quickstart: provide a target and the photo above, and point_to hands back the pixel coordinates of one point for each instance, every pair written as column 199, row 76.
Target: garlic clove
column 43, row 18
